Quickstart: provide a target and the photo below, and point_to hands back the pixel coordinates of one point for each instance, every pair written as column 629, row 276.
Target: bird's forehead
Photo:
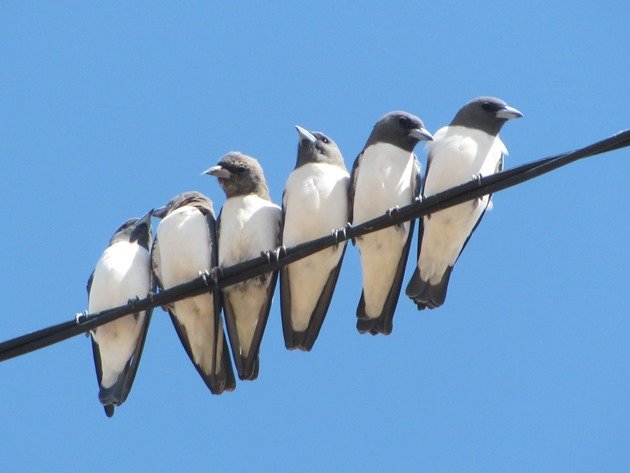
column 486, row 99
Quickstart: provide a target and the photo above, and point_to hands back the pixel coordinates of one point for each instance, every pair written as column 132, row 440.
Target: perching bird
column 122, row 273
column 186, row 246
column 466, row 149
column 249, row 224
column 315, row 203
column 385, row 176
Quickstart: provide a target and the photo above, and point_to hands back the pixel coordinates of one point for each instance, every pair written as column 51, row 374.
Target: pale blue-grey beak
column 508, row 113
column 421, row 134
column 217, row 171
column 305, row 135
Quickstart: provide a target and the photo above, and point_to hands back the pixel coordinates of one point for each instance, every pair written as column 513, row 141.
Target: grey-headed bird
column 466, row 149
column 315, row 203
column 123, row 272
column 249, row 224
column 385, row 176
column 185, row 246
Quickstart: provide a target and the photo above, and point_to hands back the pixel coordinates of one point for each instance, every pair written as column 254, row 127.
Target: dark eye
column 490, row 107
column 325, row 140
column 404, row 122
column 239, row 170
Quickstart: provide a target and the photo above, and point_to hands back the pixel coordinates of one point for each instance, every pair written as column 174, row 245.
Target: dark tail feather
column 425, row 295
column 365, row 324
column 109, row 410
column 224, row 380
column 249, row 368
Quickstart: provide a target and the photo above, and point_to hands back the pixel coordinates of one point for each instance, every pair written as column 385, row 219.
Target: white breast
column 249, row 225
column 185, row 250
column 122, row 273
column 458, row 153
column 384, row 180
column 315, row 203
column 185, row 246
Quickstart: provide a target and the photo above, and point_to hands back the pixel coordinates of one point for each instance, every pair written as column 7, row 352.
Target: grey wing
column 416, row 178
column 217, row 228
column 89, row 283
column 352, row 187
column 426, row 172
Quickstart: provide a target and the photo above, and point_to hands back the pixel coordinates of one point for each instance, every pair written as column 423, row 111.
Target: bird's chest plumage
column 249, row 225
column 458, row 154
column 316, row 198
column 384, row 180
column 184, row 244
column 122, row 272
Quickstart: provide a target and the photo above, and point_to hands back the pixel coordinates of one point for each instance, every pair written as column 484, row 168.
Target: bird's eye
column 490, row 106
column 239, row 170
column 404, row 122
column 325, row 140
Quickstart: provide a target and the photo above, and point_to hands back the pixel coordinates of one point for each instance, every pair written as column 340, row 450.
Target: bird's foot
column 215, row 274
column 391, row 213
column 340, row 234
column 478, row 200
column 133, row 301
column 273, row 256
column 79, row 318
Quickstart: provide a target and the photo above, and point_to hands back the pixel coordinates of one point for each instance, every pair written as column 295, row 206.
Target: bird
column 384, row 177
column 468, row 148
column 185, row 247
column 249, row 224
column 122, row 273
column 315, row 203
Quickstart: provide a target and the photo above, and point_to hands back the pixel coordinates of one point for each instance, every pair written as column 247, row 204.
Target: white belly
column 458, row 155
column 316, row 202
column 122, row 273
column 385, row 179
column 185, row 250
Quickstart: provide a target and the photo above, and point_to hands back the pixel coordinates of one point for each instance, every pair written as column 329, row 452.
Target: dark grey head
column 400, row 129
column 193, row 198
column 135, row 229
column 315, row 147
column 487, row 114
column 240, row 174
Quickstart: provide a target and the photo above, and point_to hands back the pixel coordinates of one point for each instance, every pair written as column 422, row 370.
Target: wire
column 279, row 257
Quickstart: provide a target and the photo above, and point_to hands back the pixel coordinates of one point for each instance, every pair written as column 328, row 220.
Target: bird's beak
column 421, row 134
column 507, row 113
column 146, row 218
column 217, row 171
column 305, row 135
column 160, row 212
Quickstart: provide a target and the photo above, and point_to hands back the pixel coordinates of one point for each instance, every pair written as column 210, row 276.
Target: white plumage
column 385, row 179
column 184, row 247
column 315, row 203
column 457, row 155
column 123, row 272
column 249, row 225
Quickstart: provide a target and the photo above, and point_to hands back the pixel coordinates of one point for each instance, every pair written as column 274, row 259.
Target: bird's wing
column 352, row 187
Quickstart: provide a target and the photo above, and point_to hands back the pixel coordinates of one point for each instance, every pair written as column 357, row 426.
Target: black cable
column 279, row 257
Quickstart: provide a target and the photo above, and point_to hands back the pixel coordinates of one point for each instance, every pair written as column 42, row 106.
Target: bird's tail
column 425, row 294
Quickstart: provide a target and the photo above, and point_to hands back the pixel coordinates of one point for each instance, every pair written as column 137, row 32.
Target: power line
column 279, row 257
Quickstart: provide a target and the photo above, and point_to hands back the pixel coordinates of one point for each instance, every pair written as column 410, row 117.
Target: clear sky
column 108, row 110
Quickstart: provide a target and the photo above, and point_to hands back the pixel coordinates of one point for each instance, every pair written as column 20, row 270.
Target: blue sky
column 107, row 110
